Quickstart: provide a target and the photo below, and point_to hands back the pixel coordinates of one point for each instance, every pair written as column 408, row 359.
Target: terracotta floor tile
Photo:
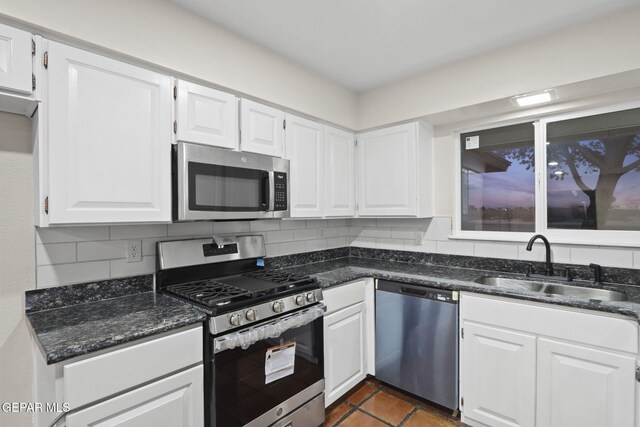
column 360, row 419
column 361, row 393
column 415, row 402
column 387, row 407
column 425, row 419
column 336, row 413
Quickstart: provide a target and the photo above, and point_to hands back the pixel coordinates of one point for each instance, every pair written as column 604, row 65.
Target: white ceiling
column 365, row 43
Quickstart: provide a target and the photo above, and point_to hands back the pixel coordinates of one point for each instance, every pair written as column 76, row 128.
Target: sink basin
column 586, row 293
column 552, row 288
column 516, row 284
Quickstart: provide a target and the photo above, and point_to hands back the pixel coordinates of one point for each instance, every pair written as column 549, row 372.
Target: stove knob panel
column 278, row 307
column 300, row 300
column 235, row 319
column 311, row 297
column 251, row 315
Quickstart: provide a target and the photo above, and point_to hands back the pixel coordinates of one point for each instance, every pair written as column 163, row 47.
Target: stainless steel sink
column 552, row 288
column 503, row 282
column 586, row 293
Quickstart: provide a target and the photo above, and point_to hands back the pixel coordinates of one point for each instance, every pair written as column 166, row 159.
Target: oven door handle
column 272, row 329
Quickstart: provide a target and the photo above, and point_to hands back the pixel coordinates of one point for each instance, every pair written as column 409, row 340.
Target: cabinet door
column 498, row 376
column 340, row 173
column 305, row 150
column 387, row 177
column 344, row 351
column 581, row 386
column 262, row 129
column 109, row 140
column 175, row 401
column 206, row 116
column 15, row 59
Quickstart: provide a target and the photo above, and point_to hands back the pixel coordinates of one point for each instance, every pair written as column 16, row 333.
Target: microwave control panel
column 280, row 194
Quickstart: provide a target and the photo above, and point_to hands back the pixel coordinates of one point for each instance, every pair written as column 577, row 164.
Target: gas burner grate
column 289, row 279
column 210, row 292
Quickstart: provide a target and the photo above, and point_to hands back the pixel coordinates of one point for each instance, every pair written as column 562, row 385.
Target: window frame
column 582, row 237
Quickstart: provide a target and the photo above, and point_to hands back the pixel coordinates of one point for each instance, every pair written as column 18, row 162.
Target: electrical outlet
column 134, row 250
column 418, row 238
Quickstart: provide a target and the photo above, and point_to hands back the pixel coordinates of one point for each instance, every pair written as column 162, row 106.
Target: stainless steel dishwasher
column 417, row 340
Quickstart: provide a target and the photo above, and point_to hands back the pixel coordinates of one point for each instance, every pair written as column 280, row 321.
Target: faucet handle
column 568, row 273
column 597, row 272
column 529, row 269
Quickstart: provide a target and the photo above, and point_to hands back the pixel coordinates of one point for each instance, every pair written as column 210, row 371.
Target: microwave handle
column 272, row 192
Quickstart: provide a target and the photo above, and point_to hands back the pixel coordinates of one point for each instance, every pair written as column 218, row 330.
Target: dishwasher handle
column 418, row 291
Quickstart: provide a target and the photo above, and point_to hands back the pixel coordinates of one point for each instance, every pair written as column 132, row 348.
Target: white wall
column 17, row 273
column 67, row 255
column 595, row 49
column 166, row 35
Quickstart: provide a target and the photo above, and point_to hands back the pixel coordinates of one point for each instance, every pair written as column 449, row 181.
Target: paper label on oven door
column 279, row 362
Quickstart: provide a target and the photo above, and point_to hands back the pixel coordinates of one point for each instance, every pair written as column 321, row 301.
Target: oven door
column 214, row 183
column 251, row 390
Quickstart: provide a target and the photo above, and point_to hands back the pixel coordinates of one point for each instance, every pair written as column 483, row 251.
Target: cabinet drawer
column 587, row 327
column 97, row 377
column 343, row 296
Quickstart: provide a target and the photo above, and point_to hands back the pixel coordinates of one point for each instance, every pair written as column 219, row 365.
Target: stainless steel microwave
column 215, row 183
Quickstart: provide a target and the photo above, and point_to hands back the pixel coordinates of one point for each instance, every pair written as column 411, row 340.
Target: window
column 593, row 173
column 575, row 178
column 498, row 179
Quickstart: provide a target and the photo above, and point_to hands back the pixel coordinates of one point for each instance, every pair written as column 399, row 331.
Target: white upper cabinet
column 340, row 173
column 395, row 171
column 305, row 149
column 15, row 59
column 206, row 116
column 108, row 138
column 262, row 128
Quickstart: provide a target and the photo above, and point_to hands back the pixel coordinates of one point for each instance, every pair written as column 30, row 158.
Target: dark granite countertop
column 343, row 270
column 65, row 329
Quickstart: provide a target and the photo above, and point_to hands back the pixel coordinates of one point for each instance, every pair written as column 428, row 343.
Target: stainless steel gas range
column 263, row 340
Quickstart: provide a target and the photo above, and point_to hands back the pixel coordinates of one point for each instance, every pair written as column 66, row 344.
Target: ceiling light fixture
column 535, row 98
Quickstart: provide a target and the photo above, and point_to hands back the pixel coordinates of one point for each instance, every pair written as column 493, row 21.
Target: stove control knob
column 311, row 297
column 251, row 315
column 300, row 300
column 278, row 307
column 235, row 319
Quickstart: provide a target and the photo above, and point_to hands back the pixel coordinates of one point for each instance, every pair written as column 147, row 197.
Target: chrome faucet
column 548, row 271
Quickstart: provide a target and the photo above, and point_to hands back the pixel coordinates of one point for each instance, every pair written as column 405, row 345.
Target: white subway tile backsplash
column 636, row 259
column 337, row 242
column 408, row 234
column 363, row 222
column 328, row 232
column 559, row 253
column 391, row 244
column 316, row 245
column 292, row 224
column 315, row 223
column 55, row 253
column 355, row 231
column 190, row 229
column 105, row 249
column 226, row 227
column 376, row 232
column 339, row 222
column 122, row 268
column 120, row 232
column 265, row 225
column 288, row 248
column 79, row 272
column 496, row 250
column 305, row 234
column 279, row 236
column 364, row 242
column 71, row 234
column 455, row 247
column 272, row 249
column 413, row 223
column 603, row 256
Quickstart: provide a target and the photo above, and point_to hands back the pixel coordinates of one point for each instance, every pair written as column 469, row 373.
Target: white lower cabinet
column 531, row 364
column 149, row 383
column 581, row 386
column 348, row 328
column 500, row 387
column 175, row 401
